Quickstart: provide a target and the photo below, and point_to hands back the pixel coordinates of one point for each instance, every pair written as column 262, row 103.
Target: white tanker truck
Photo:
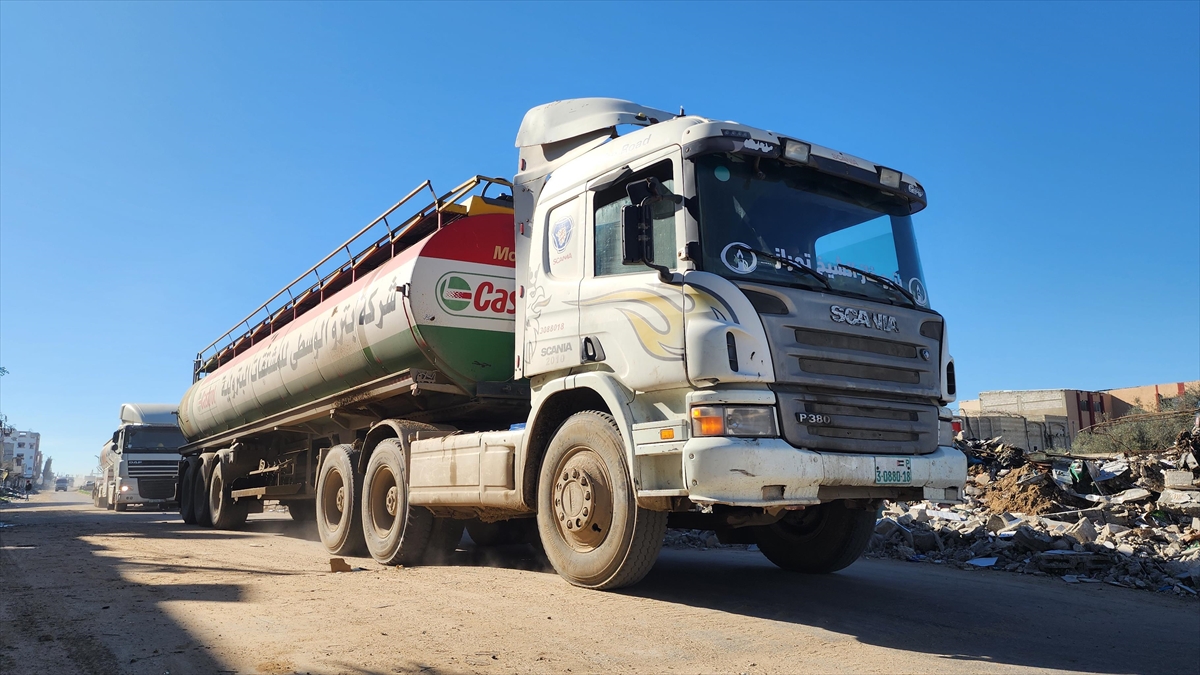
column 696, row 324
column 139, row 463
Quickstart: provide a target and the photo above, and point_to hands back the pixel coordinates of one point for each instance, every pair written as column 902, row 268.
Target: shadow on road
column 83, row 625
column 982, row 616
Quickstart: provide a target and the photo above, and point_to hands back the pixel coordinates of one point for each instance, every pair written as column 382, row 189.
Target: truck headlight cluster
column 124, row 488
column 721, row 420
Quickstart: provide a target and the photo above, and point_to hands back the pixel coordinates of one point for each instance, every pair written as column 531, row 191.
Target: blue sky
column 166, row 167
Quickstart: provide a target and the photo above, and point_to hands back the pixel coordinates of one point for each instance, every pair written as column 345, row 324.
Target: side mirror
column 633, row 236
column 117, row 438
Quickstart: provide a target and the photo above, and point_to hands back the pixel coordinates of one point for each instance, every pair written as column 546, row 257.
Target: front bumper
column 771, row 472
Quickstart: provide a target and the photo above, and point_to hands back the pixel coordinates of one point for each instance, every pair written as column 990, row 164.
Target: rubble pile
column 1131, row 520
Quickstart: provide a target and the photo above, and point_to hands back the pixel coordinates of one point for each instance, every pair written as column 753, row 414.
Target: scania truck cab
column 712, row 326
column 138, row 463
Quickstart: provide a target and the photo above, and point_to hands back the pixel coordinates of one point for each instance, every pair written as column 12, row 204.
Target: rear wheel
column 186, row 490
column 200, row 511
column 396, row 533
column 339, row 494
column 819, row 539
column 443, row 540
column 591, row 527
column 227, row 514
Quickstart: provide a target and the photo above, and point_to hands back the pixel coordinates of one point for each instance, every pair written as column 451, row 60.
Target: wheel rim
column 385, row 501
column 583, row 504
column 334, row 498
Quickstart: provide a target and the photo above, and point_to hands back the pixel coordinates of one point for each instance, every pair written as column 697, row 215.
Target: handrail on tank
column 438, row 204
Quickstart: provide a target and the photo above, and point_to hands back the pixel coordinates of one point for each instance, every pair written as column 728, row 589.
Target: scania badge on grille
column 861, row 317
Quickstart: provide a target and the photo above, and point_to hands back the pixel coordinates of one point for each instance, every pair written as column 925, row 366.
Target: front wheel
column 819, row 539
column 594, row 533
column 339, row 492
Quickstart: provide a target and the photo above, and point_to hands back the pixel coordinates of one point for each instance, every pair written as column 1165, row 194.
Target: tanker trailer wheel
column 339, row 497
column 187, row 489
column 227, row 514
column 200, row 476
column 396, row 532
column 819, row 539
column 591, row 527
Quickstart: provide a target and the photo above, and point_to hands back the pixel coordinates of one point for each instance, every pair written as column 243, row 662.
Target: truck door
column 630, row 320
column 552, row 305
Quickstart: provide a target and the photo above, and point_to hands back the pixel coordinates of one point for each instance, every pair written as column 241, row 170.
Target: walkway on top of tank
column 443, row 210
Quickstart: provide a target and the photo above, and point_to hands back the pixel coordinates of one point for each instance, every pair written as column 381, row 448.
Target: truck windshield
column 748, row 204
column 161, row 439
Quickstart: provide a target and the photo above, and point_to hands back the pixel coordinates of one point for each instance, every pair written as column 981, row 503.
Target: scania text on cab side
column 698, row 324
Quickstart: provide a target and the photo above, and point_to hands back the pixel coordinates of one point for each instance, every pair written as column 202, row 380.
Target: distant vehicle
column 90, row 486
column 60, row 485
column 139, row 462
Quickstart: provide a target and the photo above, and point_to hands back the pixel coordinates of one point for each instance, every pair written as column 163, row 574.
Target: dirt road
column 84, row 590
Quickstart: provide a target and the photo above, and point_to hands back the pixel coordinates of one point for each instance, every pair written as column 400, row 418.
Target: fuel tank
column 446, row 303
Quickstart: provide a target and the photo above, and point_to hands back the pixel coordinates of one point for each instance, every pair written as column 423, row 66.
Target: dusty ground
column 84, row 590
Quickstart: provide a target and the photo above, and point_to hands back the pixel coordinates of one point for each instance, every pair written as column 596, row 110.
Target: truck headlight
column 124, row 488
column 721, row 420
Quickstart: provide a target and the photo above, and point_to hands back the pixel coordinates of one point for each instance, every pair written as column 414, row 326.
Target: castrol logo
column 477, row 295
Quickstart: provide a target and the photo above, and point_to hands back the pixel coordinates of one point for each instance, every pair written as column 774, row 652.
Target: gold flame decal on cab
column 657, row 318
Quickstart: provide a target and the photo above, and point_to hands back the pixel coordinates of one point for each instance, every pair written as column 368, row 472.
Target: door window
column 609, row 203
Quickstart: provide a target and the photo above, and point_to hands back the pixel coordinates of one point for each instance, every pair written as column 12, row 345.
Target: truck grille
column 850, row 424
column 868, row 386
column 153, row 467
column 156, row 488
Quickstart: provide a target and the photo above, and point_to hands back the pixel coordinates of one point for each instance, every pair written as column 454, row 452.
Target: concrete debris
column 1130, row 521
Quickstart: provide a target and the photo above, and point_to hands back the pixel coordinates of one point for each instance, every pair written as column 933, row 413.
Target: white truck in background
column 699, row 324
column 138, row 464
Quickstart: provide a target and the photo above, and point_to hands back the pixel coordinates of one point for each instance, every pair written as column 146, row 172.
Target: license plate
column 893, row 471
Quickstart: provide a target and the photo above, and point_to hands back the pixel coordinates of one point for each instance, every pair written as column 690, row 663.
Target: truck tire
column 108, row 502
column 302, row 511
column 395, row 532
column 594, row 533
column 96, row 498
column 227, row 514
column 819, row 539
column 503, row 533
column 120, row 508
column 186, row 490
column 200, row 511
column 339, row 502
column 444, row 537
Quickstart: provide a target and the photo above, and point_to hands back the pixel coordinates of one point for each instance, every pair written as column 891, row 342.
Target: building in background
column 1150, row 397
column 1051, row 418
column 20, row 455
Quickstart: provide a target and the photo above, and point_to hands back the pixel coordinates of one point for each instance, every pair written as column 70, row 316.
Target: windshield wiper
column 883, row 281
column 790, row 265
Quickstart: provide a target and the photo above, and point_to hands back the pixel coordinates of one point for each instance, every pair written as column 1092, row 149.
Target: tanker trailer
column 697, row 322
column 417, row 326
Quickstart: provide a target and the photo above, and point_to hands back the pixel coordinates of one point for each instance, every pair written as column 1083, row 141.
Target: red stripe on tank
column 486, row 239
